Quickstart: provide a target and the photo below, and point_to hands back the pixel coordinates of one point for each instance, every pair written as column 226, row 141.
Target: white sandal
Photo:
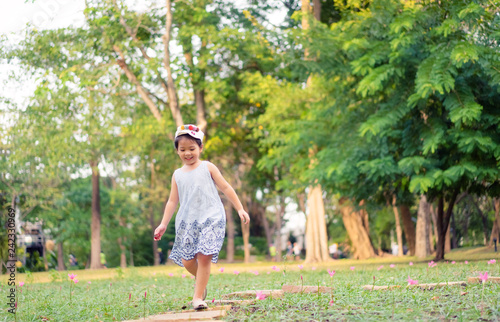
column 199, row 305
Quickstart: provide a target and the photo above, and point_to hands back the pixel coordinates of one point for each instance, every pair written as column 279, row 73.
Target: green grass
column 107, row 297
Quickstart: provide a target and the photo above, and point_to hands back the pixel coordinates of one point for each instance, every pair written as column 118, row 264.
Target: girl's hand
column 245, row 218
column 159, row 231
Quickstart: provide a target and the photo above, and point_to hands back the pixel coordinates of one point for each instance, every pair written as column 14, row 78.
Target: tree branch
column 171, row 92
column 140, row 89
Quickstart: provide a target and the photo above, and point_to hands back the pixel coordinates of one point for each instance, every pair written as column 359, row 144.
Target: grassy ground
column 47, row 296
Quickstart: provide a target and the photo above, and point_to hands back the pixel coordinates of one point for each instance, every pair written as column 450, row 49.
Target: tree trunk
column 230, row 231
column 422, row 247
column 197, row 77
column 60, row 257
column 267, row 229
column 434, row 224
column 316, row 235
column 95, row 245
column 173, row 101
column 123, row 257
column 152, row 223
column 156, row 255
column 317, row 9
column 454, row 238
column 245, row 229
column 495, row 232
column 121, row 241
column 131, row 259
column 409, row 228
column 484, row 220
column 356, row 230
column 399, row 232
column 443, row 222
column 280, row 211
column 465, row 227
column 447, row 241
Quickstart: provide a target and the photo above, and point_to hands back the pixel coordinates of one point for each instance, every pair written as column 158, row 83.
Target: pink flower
column 183, row 275
column 221, row 269
column 75, row 280
column 453, row 262
column 268, row 272
column 411, row 282
column 331, row 303
column 154, row 273
column 90, row 282
column 483, row 277
column 213, row 300
column 411, row 264
column 466, row 262
column 129, row 296
column 331, row 273
column 301, row 278
column 274, row 268
column 71, row 276
column 314, row 268
column 21, row 284
column 392, row 266
column 170, row 274
column 431, row 263
column 192, row 277
column 236, row 273
column 301, row 267
column 260, row 295
column 493, row 261
column 380, row 267
column 145, row 294
column 256, row 273
column 352, row 268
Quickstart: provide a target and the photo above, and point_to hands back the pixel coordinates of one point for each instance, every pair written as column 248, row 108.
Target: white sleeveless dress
column 200, row 224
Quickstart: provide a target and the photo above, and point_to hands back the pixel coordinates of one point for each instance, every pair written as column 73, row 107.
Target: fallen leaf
column 434, row 298
column 463, row 293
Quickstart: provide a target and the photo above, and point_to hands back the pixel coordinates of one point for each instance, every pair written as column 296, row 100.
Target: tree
column 441, row 111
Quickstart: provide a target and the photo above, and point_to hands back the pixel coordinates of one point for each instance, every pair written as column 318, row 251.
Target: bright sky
column 43, row 14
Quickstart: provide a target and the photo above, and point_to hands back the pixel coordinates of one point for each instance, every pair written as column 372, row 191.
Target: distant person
column 103, row 260
column 332, row 249
column 289, row 250
column 200, row 224
column 161, row 256
column 296, row 251
column 72, row 260
column 272, row 252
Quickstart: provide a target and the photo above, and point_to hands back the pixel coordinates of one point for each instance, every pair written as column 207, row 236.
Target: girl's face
column 188, row 151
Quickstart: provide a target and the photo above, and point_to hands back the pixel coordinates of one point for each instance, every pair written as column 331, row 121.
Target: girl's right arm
column 172, row 202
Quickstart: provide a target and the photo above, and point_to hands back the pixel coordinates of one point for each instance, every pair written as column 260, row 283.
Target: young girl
column 200, row 224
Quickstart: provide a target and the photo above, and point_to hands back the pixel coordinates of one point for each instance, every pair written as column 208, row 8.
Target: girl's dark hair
column 189, row 137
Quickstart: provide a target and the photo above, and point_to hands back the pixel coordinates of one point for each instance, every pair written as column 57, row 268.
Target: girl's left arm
column 226, row 188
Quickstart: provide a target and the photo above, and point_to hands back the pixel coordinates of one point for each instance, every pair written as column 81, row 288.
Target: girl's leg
column 191, row 265
column 202, row 275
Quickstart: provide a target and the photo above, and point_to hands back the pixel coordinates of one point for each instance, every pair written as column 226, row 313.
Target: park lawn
column 106, row 297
